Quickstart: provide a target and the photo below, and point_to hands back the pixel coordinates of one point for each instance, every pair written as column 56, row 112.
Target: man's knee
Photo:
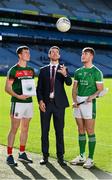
column 90, row 130
column 81, row 130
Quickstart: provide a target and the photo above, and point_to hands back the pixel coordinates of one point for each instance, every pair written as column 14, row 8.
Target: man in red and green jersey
column 88, row 82
column 21, row 105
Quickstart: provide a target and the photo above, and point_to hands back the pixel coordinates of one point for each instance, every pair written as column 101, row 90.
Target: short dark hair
column 54, row 47
column 20, row 48
column 89, row 49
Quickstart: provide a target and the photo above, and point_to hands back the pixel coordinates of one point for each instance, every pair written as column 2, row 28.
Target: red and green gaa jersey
column 17, row 73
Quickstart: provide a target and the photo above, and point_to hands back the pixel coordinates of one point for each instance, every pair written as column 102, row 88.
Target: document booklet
column 28, row 87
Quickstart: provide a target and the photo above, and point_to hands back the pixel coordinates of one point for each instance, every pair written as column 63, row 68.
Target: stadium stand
column 32, row 23
column 39, row 57
column 98, row 10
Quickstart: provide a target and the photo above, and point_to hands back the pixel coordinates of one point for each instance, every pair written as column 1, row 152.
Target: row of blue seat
column 99, row 10
column 47, row 34
column 71, row 57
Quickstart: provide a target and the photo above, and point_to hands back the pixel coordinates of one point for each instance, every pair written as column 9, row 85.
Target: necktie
column 52, row 79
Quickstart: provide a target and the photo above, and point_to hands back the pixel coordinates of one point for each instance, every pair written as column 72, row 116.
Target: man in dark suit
column 52, row 100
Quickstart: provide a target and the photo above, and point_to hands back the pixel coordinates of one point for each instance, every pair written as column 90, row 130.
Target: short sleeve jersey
column 17, row 73
column 87, row 79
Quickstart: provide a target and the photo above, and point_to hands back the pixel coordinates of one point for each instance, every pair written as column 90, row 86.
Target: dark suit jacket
column 43, row 87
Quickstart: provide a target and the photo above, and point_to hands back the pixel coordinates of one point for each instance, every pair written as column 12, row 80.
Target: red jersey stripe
column 22, row 73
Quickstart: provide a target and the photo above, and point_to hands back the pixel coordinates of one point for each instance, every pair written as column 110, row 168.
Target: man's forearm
column 10, row 91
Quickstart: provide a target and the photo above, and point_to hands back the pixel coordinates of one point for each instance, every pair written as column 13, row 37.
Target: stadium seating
column 99, row 10
column 39, row 57
column 80, row 10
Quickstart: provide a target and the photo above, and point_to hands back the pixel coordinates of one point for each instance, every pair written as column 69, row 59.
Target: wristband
column 74, row 103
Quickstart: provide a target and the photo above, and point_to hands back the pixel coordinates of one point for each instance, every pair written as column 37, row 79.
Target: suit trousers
column 58, row 121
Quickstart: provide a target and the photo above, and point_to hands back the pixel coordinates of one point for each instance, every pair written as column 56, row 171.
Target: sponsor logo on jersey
column 83, row 82
column 23, row 73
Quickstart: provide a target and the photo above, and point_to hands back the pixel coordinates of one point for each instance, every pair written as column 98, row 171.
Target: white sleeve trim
column 99, row 82
column 75, row 81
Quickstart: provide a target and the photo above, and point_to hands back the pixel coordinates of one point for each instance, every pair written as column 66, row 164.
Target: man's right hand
column 74, row 105
column 22, row 97
column 42, row 106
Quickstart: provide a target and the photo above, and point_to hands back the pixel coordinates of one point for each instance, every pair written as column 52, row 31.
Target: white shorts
column 22, row 110
column 85, row 110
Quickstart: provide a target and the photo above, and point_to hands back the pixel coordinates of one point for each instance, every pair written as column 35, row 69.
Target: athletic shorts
column 21, row 110
column 85, row 110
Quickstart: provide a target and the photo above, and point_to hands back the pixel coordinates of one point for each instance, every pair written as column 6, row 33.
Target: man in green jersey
column 21, row 105
column 88, row 82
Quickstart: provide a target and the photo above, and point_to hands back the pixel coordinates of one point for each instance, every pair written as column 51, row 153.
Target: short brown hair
column 20, row 48
column 54, row 47
column 89, row 49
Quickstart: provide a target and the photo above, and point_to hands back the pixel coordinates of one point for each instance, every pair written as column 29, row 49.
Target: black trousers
column 58, row 121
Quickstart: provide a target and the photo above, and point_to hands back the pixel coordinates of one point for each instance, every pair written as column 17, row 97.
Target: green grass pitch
column 103, row 130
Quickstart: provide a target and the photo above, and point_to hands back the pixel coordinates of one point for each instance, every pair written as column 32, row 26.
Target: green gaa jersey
column 87, row 79
column 17, row 73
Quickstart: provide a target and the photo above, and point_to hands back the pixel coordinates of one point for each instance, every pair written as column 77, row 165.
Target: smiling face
column 24, row 55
